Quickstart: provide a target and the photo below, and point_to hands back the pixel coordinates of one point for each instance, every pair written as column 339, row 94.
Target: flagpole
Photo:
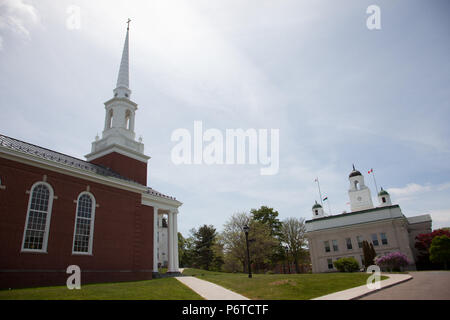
column 375, row 181
column 320, row 193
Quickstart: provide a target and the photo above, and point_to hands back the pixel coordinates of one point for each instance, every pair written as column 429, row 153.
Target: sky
column 339, row 94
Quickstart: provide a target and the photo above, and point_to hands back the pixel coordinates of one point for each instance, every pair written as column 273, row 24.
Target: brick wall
column 123, row 231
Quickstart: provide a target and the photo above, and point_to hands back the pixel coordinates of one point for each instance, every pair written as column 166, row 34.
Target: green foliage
column 261, row 245
column 204, row 240
column 440, row 250
column 185, row 250
column 369, row 254
column 268, row 216
column 346, row 265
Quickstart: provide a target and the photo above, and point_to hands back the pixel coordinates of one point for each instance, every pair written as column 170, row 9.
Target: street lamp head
column 246, row 228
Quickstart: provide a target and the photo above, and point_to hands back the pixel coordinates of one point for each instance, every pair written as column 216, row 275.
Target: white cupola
column 317, row 211
column 359, row 193
column 384, row 198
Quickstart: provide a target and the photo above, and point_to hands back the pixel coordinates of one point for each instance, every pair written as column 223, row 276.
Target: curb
column 362, row 291
column 382, row 288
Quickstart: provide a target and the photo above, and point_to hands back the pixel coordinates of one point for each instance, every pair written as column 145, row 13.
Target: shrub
column 440, row 250
column 346, row 265
column 392, row 261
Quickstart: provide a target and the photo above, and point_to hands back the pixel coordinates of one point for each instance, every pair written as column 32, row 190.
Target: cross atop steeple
column 128, row 22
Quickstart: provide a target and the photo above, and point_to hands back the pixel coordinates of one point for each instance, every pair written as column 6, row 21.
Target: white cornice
column 116, row 99
column 119, row 149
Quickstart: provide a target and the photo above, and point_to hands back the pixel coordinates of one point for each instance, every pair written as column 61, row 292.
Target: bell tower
column 359, row 193
column 118, row 149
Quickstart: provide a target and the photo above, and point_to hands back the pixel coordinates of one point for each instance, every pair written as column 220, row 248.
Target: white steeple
column 123, row 80
column 359, row 193
column 118, row 134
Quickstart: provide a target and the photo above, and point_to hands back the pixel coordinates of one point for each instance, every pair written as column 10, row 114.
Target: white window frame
column 91, row 234
column 47, row 220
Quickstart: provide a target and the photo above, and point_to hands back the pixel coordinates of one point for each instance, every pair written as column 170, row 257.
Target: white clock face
column 359, row 198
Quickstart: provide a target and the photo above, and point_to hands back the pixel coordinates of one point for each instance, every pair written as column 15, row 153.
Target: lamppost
column 287, row 258
column 246, row 229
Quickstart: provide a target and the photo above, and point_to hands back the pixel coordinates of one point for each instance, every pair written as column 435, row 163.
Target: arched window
column 110, row 118
column 357, row 187
column 127, row 119
column 84, row 224
column 37, row 224
column 383, row 199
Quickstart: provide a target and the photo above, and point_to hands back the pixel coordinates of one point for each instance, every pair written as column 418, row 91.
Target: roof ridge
column 34, row 145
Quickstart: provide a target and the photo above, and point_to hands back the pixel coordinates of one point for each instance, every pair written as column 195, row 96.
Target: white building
column 338, row 236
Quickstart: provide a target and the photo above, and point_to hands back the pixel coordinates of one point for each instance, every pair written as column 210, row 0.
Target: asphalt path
column 425, row 285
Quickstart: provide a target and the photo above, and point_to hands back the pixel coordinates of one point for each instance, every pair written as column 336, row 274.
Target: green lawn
column 156, row 289
column 283, row 286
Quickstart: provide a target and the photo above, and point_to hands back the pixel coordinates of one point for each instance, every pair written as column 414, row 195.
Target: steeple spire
column 123, row 80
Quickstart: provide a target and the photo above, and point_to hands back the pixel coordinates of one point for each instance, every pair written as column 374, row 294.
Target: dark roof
column 355, row 173
column 383, row 192
column 351, row 213
column 316, row 205
column 60, row 158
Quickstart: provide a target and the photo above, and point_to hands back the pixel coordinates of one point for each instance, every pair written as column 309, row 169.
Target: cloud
column 410, row 189
column 16, row 17
column 441, row 218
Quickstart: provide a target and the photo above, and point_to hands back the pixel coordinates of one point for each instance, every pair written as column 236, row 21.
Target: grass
column 156, row 289
column 283, row 286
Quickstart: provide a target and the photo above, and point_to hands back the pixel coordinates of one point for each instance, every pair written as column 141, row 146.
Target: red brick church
column 99, row 214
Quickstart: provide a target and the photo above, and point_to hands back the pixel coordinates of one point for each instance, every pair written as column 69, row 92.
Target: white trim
column 118, row 149
column 47, row 220
column 91, row 235
column 163, row 203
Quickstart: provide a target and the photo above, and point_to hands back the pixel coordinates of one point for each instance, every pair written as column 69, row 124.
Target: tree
column 423, row 244
column 293, row 234
column 185, row 250
column 204, row 240
column 218, row 260
column 369, row 254
column 392, row 261
column 268, row 216
column 440, row 250
column 261, row 244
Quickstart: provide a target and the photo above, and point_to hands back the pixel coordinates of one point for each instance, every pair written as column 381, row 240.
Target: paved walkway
column 360, row 291
column 425, row 285
column 209, row 290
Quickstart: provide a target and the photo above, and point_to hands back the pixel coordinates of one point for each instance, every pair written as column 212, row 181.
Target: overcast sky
column 338, row 92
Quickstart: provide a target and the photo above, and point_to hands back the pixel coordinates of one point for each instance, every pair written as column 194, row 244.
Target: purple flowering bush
column 393, row 261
